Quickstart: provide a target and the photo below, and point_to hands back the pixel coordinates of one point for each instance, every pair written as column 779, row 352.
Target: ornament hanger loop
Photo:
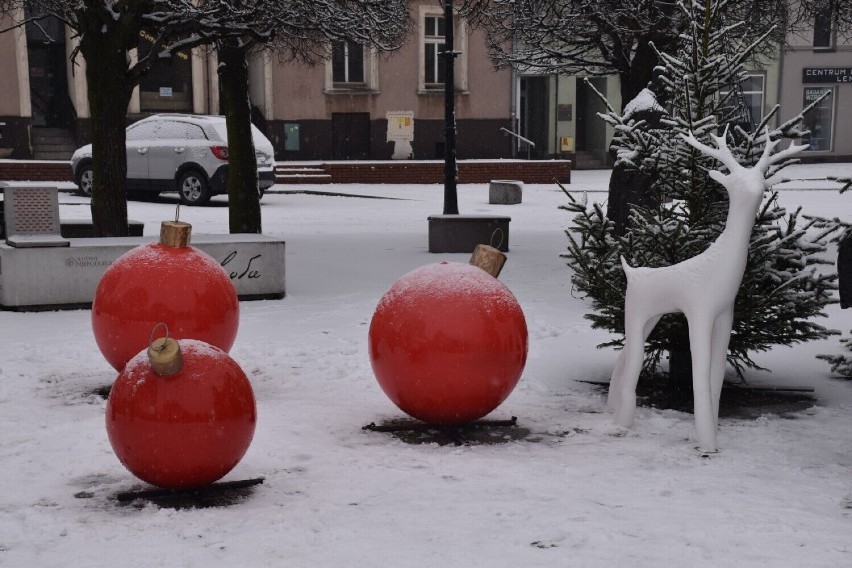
column 497, row 230
column 151, row 337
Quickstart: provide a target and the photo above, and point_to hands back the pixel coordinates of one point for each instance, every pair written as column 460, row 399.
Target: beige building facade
column 337, row 109
column 816, row 66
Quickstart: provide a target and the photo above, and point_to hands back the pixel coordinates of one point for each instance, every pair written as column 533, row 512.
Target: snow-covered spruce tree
column 782, row 290
column 841, row 365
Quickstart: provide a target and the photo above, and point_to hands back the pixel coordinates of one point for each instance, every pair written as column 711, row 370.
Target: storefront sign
column 827, row 75
column 813, row 93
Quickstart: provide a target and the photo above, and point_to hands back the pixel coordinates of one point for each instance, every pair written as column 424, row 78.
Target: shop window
column 167, row 86
column 820, row 119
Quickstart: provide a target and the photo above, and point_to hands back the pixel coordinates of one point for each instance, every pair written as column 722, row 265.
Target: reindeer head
column 740, row 180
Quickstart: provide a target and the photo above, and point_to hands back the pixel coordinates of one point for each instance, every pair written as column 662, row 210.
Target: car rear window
column 166, row 130
column 222, row 130
column 176, row 130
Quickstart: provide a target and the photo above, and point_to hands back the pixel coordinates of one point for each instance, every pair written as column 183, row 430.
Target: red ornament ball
column 448, row 343
column 182, row 287
column 185, row 430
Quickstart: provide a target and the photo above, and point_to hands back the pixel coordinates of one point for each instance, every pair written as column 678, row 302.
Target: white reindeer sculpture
column 702, row 287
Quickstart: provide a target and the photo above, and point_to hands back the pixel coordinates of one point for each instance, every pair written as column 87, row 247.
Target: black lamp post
column 451, row 205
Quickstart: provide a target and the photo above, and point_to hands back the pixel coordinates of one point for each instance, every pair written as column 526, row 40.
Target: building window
column 432, row 42
column 747, row 102
column 820, row 119
column 347, row 63
column 351, row 68
column 167, row 86
column 823, row 32
column 752, row 89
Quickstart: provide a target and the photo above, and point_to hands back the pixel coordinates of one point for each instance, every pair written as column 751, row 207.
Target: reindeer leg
column 700, row 339
column 721, row 338
column 622, row 388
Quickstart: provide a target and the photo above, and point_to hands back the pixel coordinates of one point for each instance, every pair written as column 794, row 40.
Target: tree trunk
column 680, row 378
column 243, row 198
column 109, row 95
column 628, row 187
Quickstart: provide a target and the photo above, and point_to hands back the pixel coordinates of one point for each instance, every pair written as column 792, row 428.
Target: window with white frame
column 749, row 108
column 819, row 120
column 432, row 43
column 823, row 28
column 347, row 63
column 351, row 67
column 753, row 95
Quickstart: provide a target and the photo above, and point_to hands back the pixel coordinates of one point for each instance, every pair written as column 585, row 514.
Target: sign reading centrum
column 827, row 75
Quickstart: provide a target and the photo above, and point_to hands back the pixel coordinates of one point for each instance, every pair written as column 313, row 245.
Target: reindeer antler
column 766, row 161
column 721, row 152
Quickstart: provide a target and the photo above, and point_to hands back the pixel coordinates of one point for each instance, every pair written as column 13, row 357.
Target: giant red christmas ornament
column 166, row 281
column 181, row 415
column 448, row 343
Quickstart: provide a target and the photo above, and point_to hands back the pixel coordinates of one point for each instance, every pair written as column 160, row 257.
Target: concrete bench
column 505, row 192
column 31, row 217
column 83, row 228
column 66, row 278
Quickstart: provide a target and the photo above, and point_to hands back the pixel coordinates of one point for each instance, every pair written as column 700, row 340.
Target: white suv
column 178, row 152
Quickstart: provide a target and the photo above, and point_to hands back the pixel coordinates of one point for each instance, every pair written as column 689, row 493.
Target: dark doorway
column 167, row 86
column 350, row 135
column 51, row 106
column 535, row 110
column 591, row 129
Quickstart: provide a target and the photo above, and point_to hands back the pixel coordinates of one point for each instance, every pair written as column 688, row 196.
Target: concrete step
column 40, row 154
column 302, row 178
column 52, row 138
column 301, row 174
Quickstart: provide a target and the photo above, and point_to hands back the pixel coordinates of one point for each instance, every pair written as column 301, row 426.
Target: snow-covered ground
column 578, row 491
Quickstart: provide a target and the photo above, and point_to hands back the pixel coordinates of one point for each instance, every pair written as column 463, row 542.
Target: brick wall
column 13, row 170
column 473, row 171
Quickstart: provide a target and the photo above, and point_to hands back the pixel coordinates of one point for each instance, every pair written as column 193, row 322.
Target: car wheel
column 84, row 180
column 193, row 189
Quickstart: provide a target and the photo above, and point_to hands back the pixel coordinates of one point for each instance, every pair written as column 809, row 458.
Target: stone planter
column 461, row 233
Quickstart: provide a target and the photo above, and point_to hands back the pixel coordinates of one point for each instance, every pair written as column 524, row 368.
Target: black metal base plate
column 478, row 432
column 221, row 494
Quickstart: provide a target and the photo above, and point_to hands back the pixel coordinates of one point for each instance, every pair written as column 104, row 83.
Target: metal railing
column 530, row 144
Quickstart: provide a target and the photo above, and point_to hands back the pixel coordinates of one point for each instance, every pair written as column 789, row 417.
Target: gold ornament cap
column 164, row 354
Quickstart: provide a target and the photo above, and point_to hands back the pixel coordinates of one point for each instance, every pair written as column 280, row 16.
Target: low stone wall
column 66, row 277
column 403, row 171
column 27, row 170
column 472, row 171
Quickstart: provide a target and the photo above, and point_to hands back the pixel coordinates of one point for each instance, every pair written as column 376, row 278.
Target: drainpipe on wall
column 513, row 111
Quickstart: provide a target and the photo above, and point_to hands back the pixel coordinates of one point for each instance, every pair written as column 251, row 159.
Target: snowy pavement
column 577, row 491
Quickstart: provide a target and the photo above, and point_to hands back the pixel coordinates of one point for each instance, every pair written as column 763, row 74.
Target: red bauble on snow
column 448, row 343
column 168, row 282
column 184, row 430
